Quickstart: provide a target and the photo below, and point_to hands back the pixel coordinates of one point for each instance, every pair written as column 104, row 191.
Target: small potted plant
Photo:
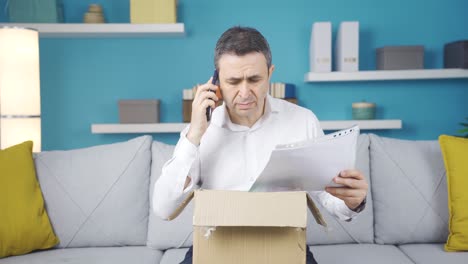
column 464, row 131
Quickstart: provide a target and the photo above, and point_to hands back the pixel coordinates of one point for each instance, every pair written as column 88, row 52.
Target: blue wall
column 82, row 79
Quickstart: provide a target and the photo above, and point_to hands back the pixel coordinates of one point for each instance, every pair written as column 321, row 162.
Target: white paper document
column 309, row 165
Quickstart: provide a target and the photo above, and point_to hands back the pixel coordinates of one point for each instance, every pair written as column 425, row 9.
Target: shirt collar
column 220, row 117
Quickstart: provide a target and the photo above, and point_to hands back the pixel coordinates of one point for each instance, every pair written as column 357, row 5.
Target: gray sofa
column 98, row 200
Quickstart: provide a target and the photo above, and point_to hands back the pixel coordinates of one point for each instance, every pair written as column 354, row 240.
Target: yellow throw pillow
column 455, row 153
column 24, row 224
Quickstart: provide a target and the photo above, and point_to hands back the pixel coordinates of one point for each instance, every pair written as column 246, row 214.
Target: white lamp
column 20, row 103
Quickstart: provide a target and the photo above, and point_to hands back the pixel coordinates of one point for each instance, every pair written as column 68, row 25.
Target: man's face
column 244, row 82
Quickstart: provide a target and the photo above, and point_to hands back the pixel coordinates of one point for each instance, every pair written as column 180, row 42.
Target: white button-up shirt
column 231, row 156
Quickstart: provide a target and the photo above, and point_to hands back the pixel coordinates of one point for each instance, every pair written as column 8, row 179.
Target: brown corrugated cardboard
column 250, row 227
column 231, row 208
column 259, row 245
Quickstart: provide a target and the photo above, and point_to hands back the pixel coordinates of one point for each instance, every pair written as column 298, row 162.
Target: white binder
column 321, row 47
column 347, row 47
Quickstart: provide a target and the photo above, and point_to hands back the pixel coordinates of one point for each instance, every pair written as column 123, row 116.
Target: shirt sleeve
column 169, row 189
column 334, row 205
column 314, row 129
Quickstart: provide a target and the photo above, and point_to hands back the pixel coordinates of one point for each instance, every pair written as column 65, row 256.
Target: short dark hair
column 241, row 41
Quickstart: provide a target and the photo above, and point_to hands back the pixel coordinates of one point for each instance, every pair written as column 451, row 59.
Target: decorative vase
column 363, row 110
column 94, row 14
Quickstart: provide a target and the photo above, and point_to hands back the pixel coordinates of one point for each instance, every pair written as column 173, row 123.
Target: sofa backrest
column 178, row 232
column 163, row 234
column 409, row 189
column 97, row 196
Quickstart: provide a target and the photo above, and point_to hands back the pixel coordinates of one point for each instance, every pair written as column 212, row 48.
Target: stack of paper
column 309, row 165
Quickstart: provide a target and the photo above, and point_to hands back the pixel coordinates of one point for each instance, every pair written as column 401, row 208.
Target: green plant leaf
column 461, row 131
column 464, row 131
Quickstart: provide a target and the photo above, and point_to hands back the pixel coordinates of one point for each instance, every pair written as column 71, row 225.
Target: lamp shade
column 19, row 87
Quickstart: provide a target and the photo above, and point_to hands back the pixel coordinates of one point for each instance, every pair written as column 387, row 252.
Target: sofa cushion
column 101, row 255
column 24, row 223
column 98, row 196
column 167, row 234
column 344, row 253
column 359, row 254
column 455, row 153
column 409, row 191
column 433, row 254
column 173, row 256
column 359, row 230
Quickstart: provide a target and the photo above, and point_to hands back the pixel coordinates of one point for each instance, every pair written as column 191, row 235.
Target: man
column 230, row 151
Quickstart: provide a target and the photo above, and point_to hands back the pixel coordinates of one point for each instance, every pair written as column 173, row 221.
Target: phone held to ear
column 214, row 81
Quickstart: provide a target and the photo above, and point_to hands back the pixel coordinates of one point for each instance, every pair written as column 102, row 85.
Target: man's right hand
column 203, row 99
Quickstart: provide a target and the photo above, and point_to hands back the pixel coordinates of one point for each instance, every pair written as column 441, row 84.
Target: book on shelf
column 282, row 90
column 291, row 100
column 187, row 99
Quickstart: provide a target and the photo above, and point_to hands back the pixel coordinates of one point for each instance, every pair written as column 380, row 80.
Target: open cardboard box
column 249, row 227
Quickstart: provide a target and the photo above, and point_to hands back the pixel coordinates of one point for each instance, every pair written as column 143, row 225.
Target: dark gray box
column 456, row 54
column 139, row 111
column 400, row 58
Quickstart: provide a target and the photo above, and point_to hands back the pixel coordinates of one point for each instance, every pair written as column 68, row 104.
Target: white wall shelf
column 386, row 75
column 137, row 128
column 177, row 127
column 363, row 124
column 106, row 30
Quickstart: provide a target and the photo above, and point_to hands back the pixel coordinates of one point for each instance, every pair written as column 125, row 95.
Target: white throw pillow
column 410, row 191
column 97, row 196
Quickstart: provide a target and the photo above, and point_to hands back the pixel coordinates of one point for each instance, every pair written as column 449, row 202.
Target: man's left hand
column 354, row 189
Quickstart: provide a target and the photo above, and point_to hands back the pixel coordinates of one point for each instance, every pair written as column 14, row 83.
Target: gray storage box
column 456, row 54
column 400, row 58
column 139, row 111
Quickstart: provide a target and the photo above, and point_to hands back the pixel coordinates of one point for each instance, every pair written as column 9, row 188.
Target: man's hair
column 241, row 41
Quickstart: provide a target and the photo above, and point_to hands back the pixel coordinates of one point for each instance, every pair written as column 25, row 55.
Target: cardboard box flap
column 315, row 212
column 182, row 206
column 237, row 208
column 252, row 216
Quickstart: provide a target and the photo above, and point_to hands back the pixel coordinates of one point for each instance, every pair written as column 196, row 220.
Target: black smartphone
column 214, row 81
